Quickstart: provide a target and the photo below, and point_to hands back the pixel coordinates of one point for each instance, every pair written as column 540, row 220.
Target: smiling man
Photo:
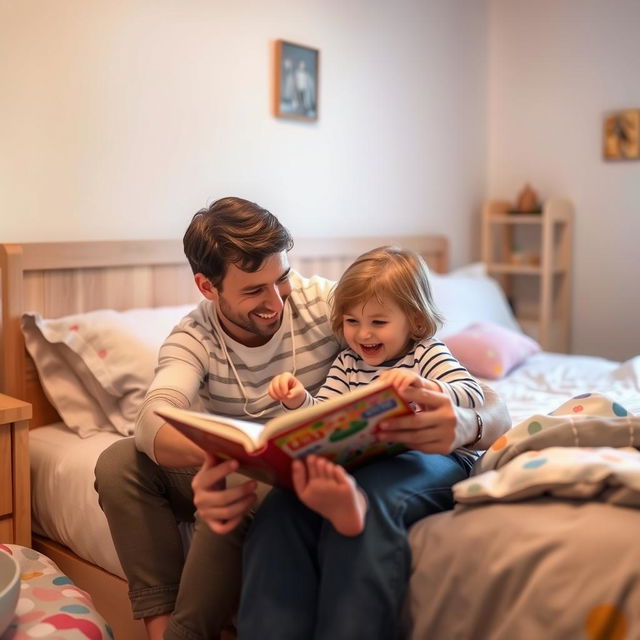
column 258, row 319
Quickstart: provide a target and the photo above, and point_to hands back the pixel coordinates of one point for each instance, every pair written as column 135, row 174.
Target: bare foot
column 330, row 491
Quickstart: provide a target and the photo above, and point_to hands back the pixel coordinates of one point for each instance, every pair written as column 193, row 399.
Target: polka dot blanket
column 50, row 606
column 585, row 449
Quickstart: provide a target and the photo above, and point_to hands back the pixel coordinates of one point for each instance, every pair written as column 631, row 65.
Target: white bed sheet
column 546, row 380
column 65, row 504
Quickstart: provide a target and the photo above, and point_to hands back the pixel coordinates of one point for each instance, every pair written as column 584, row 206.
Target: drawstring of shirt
column 245, row 407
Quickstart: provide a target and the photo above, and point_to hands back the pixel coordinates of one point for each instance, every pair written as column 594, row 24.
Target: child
column 383, row 309
column 307, row 572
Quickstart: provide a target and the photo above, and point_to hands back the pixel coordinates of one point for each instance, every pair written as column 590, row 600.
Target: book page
column 243, row 431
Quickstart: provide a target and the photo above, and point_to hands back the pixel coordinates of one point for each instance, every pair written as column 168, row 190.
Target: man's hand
column 221, row 508
column 286, row 388
column 437, row 427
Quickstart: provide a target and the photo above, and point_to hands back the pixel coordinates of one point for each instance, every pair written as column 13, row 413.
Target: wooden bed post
column 12, row 373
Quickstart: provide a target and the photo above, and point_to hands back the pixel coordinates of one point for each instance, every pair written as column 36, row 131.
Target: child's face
column 376, row 332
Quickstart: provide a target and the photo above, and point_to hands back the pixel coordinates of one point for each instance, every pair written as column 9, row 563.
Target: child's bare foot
column 330, row 491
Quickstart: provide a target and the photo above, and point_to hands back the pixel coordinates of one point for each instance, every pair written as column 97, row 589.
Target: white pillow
column 471, row 270
column 96, row 367
column 467, row 295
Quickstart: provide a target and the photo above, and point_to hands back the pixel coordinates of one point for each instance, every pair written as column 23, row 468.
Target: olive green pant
column 144, row 503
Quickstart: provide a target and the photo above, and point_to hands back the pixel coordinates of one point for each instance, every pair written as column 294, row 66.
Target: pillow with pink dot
column 95, row 367
column 490, row 351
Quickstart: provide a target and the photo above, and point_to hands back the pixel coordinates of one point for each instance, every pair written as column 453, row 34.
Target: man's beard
column 247, row 323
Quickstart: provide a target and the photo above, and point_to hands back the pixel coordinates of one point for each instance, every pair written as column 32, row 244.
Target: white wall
column 121, row 118
column 556, row 67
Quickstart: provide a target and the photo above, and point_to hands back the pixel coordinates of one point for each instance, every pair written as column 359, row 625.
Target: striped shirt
column 193, row 369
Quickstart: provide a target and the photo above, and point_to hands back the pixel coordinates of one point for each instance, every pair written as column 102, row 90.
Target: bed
column 87, row 300
column 59, row 280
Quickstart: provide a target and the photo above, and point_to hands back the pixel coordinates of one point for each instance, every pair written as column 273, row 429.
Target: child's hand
column 431, row 385
column 287, row 389
column 402, row 379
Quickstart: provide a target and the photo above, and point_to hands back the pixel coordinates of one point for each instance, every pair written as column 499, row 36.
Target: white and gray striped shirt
column 429, row 358
column 193, row 370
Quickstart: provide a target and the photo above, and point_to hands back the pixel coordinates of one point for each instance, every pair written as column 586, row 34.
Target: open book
column 342, row 429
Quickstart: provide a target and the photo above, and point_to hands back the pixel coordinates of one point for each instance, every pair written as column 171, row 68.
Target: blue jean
column 303, row 580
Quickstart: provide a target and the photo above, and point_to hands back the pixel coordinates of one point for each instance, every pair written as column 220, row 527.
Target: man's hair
column 388, row 273
column 232, row 231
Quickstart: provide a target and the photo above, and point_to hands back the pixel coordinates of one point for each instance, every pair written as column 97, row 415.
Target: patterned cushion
column 50, row 605
column 489, row 350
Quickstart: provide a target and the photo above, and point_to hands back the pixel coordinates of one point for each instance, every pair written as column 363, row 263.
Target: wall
column 556, row 67
column 121, row 118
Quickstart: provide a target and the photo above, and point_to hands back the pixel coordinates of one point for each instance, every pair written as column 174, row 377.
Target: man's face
column 250, row 305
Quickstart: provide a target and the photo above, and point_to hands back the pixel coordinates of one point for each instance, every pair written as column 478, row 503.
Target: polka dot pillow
column 565, row 472
column 490, row 351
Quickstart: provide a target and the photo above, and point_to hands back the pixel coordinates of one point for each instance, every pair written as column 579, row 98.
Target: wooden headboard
column 61, row 278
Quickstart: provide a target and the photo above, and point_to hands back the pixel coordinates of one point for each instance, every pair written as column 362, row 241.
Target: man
column 258, row 319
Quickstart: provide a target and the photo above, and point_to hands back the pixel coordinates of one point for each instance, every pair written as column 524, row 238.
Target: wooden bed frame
column 57, row 279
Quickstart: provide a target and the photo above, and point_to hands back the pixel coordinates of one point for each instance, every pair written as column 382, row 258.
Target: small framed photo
column 621, row 135
column 297, row 75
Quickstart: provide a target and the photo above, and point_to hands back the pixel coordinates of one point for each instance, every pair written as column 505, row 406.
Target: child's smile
column 371, row 349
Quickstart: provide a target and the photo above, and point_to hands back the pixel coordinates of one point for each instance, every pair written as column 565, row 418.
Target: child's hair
column 388, row 273
column 232, row 231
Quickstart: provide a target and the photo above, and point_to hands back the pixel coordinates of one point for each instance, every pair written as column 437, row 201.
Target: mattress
column 64, row 503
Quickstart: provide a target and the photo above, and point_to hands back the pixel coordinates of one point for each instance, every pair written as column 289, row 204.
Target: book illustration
column 347, row 437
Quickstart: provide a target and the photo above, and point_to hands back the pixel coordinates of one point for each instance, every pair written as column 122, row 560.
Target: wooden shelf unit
column 530, row 255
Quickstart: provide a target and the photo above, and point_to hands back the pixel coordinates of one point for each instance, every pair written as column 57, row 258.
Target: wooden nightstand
column 15, row 495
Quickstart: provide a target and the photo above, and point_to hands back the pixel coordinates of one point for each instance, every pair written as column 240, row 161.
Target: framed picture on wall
column 621, row 135
column 297, row 75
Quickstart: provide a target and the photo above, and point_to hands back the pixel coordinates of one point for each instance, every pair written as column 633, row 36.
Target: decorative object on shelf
column 519, row 256
column 527, row 201
column 621, row 135
column 297, row 71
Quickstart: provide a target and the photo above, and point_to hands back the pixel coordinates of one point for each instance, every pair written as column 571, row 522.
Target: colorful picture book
column 342, row 429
